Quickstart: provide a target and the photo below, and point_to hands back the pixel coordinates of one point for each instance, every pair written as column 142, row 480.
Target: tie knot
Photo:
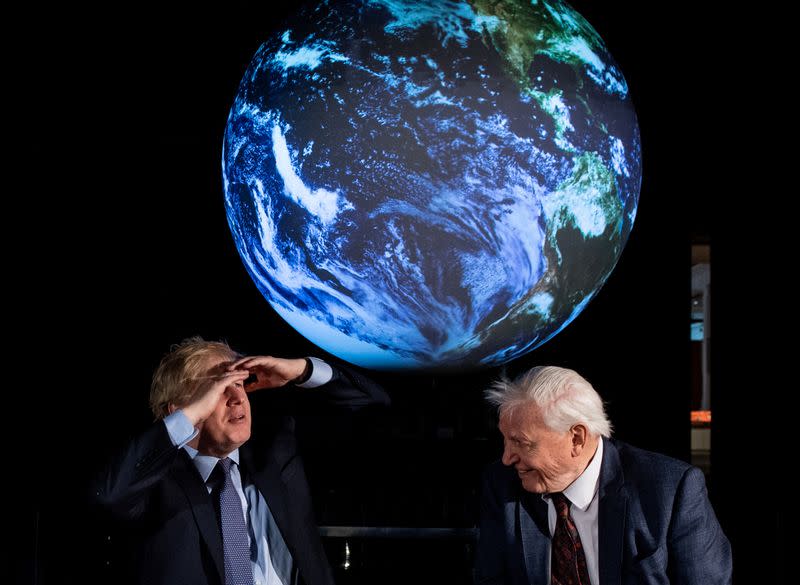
column 562, row 503
column 226, row 465
column 221, row 472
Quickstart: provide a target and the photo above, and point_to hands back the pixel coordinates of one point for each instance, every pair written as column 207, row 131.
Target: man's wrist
column 307, row 371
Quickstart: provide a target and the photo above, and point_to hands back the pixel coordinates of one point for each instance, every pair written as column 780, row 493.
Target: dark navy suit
column 155, row 489
column 655, row 525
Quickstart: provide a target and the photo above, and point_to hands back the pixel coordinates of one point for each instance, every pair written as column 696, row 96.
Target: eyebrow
column 520, row 439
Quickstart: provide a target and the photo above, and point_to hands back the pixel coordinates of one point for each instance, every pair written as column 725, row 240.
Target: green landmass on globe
column 431, row 185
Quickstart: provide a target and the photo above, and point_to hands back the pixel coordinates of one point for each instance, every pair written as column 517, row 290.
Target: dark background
column 115, row 186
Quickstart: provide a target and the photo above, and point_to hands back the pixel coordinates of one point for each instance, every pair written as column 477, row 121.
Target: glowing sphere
column 431, row 185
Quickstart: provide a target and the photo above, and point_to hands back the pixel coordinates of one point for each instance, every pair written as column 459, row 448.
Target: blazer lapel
column 202, row 507
column 535, row 533
column 269, row 483
column 611, row 515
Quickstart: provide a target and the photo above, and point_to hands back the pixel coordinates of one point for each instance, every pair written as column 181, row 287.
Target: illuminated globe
column 431, row 185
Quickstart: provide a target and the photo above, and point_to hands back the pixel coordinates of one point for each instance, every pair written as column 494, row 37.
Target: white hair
column 564, row 397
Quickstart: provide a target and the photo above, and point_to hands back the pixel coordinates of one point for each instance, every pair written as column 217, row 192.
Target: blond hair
column 173, row 380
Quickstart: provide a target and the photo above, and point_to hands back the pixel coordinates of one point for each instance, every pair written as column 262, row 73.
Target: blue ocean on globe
column 431, row 184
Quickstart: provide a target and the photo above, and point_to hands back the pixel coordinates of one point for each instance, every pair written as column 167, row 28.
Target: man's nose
column 235, row 394
column 509, row 456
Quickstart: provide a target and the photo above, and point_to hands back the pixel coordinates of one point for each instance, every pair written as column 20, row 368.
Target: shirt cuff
column 321, row 373
column 180, row 428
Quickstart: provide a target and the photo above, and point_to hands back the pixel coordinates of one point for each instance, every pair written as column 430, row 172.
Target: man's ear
column 579, row 434
column 172, row 407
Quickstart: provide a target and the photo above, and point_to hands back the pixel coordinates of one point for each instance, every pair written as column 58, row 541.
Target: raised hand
column 269, row 372
column 208, row 393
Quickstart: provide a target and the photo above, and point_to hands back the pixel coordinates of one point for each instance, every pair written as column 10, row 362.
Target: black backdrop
column 116, row 190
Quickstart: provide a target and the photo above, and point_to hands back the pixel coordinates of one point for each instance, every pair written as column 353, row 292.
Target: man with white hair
column 569, row 505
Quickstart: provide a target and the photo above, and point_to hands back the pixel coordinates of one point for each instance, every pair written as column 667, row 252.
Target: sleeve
column 321, row 373
column 489, row 558
column 699, row 552
column 343, row 388
column 180, row 428
column 126, row 482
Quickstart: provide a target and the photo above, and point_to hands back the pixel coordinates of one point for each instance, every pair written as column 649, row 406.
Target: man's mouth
column 237, row 418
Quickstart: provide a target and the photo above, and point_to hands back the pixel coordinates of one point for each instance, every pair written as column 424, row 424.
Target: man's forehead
column 520, row 419
column 216, row 363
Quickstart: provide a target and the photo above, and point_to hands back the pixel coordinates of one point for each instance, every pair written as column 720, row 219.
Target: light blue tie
column 238, row 570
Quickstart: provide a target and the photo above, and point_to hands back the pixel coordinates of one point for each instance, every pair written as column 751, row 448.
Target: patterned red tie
column 568, row 565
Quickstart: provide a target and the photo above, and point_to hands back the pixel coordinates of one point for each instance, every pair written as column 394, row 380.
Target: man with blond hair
column 209, row 504
column 568, row 505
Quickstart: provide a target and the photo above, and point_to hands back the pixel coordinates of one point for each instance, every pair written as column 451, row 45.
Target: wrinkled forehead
column 521, row 418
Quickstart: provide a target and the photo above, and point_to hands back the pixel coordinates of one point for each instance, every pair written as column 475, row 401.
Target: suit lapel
column 202, row 507
column 611, row 515
column 535, row 533
column 269, row 483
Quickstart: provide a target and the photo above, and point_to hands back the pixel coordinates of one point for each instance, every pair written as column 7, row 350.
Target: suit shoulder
column 649, row 466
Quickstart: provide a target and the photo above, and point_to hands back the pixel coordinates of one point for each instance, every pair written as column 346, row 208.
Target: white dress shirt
column 583, row 494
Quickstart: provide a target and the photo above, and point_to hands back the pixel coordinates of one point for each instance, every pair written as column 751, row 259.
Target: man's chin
column 241, row 439
column 531, row 482
column 238, row 438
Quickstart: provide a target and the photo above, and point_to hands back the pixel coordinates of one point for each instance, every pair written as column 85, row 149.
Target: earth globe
column 429, row 186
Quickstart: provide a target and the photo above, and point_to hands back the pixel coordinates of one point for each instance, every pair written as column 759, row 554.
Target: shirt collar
column 581, row 492
column 205, row 464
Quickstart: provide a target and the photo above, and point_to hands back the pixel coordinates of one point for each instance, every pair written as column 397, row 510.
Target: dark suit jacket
column 655, row 525
column 156, row 490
